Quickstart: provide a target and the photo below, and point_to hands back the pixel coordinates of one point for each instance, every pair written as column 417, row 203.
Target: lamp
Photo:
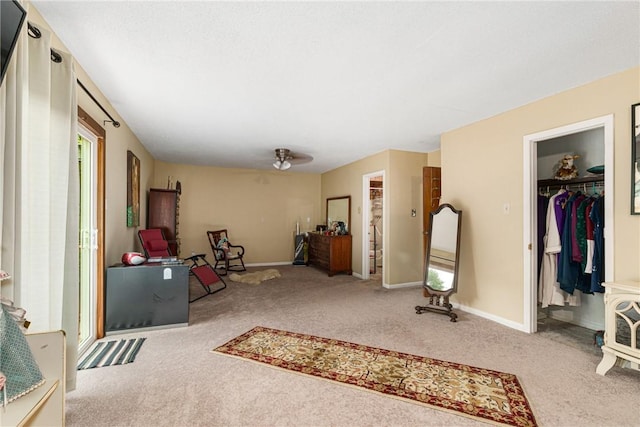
column 282, row 159
column 282, row 165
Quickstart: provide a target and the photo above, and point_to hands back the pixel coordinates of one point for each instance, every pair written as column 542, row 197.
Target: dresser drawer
column 331, row 253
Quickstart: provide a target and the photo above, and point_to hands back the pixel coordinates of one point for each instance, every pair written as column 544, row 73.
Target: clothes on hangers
column 549, row 291
column 572, row 267
column 597, row 272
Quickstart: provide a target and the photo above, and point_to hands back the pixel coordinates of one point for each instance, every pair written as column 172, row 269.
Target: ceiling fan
column 284, row 158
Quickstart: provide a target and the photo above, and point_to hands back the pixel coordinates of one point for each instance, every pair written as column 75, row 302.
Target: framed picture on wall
column 635, row 159
column 133, row 190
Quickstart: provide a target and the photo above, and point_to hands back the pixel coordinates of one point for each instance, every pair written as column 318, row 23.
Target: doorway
column 91, row 167
column 87, row 244
column 373, row 226
column 530, row 206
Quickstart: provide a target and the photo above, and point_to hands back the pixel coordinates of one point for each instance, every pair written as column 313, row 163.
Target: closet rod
column 34, row 32
column 582, row 180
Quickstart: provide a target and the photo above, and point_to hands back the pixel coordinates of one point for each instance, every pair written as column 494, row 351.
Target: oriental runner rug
column 483, row 394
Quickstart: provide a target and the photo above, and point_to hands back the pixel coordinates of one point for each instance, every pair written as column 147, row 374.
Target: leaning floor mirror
column 442, row 260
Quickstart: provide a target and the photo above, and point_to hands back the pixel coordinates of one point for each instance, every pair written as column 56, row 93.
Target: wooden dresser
column 331, row 253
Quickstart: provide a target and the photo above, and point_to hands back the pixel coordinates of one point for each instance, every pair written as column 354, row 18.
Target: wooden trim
column 99, row 131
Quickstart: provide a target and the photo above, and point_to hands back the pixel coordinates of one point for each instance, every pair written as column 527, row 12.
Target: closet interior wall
column 589, row 146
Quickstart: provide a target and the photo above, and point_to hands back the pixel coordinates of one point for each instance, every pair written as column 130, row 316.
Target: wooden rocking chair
column 227, row 255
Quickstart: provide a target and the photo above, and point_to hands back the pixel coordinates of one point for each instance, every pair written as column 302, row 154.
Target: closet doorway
column 373, row 226
column 537, row 148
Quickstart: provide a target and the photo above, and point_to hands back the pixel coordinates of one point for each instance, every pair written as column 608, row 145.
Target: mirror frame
column 635, row 159
column 348, row 199
column 454, row 285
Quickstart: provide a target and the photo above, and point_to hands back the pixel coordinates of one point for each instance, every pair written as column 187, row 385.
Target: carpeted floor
column 176, row 381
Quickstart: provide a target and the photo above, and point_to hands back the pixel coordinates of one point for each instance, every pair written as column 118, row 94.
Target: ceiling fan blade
column 299, row 159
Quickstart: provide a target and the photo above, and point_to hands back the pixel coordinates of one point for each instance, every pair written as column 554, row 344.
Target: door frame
column 530, row 191
column 88, row 236
column 88, row 122
column 366, row 218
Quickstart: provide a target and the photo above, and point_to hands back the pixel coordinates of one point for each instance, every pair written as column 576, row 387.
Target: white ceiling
column 225, row 83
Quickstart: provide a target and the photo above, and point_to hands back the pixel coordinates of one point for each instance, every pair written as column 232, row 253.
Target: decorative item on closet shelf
column 597, row 170
column 566, row 168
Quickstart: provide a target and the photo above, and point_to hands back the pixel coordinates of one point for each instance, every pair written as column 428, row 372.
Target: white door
column 87, row 239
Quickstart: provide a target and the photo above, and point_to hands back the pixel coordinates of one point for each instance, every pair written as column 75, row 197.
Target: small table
column 146, row 296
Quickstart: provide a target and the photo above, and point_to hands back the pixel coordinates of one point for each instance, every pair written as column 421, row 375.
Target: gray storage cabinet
column 146, row 296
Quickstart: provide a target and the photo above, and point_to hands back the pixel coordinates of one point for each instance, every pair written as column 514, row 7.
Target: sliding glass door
column 87, row 244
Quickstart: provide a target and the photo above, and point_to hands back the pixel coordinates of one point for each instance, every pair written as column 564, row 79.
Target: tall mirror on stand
column 442, row 261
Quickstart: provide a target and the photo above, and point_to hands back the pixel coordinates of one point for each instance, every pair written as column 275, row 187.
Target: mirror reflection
column 442, row 260
column 441, row 263
column 339, row 214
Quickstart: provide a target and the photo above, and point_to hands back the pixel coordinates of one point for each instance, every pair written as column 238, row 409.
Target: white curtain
column 40, row 190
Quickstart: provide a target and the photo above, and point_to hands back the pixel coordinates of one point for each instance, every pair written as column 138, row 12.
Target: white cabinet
column 622, row 326
column 43, row 406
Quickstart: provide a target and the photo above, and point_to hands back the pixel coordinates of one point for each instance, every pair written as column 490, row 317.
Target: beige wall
column 118, row 237
column 482, row 169
column 259, row 208
column 435, row 159
column 402, row 192
column 405, row 254
column 347, row 181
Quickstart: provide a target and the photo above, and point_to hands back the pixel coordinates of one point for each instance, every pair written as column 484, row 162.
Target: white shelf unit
column 622, row 315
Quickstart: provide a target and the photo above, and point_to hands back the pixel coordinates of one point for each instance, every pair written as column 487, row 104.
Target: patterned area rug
column 109, row 353
column 489, row 396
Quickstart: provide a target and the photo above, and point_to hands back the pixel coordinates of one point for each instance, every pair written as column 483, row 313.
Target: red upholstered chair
column 154, row 243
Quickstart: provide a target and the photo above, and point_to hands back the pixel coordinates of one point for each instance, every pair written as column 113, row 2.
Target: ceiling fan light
column 282, row 165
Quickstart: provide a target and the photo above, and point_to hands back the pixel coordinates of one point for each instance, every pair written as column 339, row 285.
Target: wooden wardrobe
column 163, row 212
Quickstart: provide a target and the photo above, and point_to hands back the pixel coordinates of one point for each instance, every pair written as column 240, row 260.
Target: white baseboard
column 568, row 317
column 506, row 322
column 269, row 264
column 402, row 285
